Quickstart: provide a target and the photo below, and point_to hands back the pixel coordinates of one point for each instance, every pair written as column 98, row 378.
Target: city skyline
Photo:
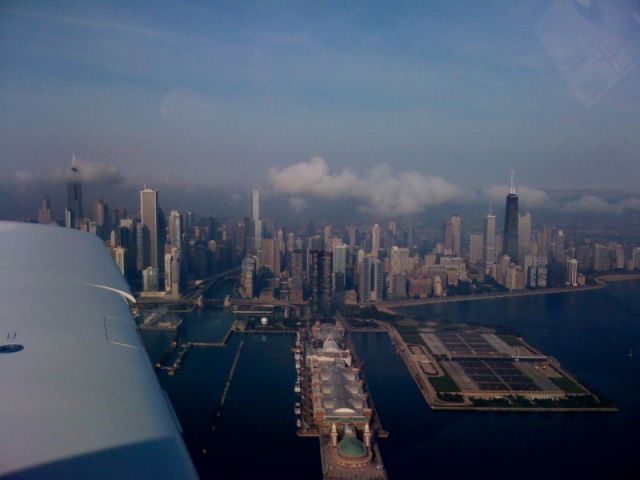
column 395, row 198
column 279, row 239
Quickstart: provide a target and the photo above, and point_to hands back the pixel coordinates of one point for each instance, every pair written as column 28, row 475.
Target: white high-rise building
column 572, row 272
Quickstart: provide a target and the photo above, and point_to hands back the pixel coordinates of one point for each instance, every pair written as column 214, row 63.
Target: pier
column 227, row 385
column 335, row 404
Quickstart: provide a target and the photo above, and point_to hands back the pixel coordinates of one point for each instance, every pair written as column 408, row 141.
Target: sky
column 398, row 105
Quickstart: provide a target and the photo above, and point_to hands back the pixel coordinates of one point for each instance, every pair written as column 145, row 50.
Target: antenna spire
column 512, row 189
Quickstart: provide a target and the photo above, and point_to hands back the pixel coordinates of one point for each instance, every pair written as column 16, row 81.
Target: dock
column 227, row 385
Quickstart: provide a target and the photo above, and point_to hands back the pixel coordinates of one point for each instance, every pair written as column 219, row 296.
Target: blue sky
column 217, row 93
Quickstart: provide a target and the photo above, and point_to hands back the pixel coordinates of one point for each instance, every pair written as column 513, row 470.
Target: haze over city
column 401, row 106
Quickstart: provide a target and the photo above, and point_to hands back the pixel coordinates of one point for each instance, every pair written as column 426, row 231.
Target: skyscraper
column 149, row 222
column 74, row 195
column 489, row 240
column 377, row 280
column 296, row 279
column 339, row 267
column 364, row 280
column 255, row 204
column 175, row 229
column 524, row 235
column 375, row 240
column 456, row 230
column 510, row 240
column 103, row 219
column 572, row 272
column 256, row 222
column 447, row 237
column 44, row 212
column 475, row 248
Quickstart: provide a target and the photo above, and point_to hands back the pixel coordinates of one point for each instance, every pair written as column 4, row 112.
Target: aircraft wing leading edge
column 78, row 395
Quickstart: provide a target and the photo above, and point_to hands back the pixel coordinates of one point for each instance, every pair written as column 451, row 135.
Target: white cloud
column 89, row 173
column 298, row 204
column 381, row 190
column 529, row 197
column 593, row 204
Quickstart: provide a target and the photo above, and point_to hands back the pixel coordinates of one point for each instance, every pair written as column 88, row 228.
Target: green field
column 444, row 384
column 510, row 340
column 567, row 384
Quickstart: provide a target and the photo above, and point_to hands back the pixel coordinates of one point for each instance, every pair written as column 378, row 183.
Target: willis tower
column 511, row 224
column 74, row 196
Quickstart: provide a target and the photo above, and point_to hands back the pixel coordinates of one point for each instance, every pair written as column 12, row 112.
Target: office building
column 149, row 238
column 74, row 196
column 44, row 212
column 475, row 248
column 510, row 238
column 524, row 235
column 489, row 239
column 340, row 267
column 375, row 240
column 456, row 232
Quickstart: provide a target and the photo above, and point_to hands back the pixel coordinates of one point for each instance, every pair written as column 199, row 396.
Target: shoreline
column 618, row 277
column 492, row 296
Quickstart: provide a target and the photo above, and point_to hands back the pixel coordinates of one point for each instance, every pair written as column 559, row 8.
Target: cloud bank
column 382, row 190
column 593, row 204
column 529, row 197
column 385, row 191
column 90, row 173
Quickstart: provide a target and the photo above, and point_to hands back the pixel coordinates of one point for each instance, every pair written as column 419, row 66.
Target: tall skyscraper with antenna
column 74, row 195
column 510, row 242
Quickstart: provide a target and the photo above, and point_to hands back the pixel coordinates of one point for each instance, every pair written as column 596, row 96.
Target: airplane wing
column 78, row 395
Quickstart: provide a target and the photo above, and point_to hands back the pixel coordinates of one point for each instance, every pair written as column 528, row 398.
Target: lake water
column 590, row 333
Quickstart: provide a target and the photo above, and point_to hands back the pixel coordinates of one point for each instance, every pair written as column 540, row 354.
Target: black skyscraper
column 511, row 224
column 74, row 194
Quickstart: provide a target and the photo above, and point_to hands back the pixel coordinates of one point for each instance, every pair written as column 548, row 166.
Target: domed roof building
column 350, row 451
